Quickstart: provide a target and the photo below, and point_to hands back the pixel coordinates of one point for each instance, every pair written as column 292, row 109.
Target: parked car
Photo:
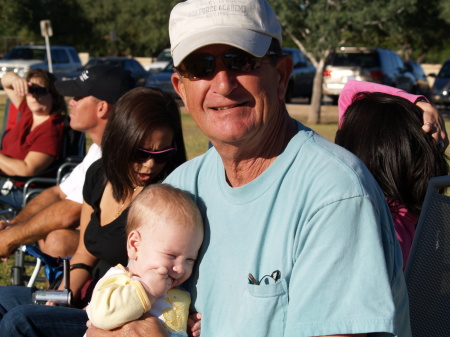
column 365, row 64
column 162, row 80
column 302, row 77
column 421, row 85
column 21, row 59
column 163, row 59
column 440, row 92
column 131, row 65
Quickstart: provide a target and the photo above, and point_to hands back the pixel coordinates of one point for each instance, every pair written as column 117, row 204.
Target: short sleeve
column 336, row 266
column 72, row 187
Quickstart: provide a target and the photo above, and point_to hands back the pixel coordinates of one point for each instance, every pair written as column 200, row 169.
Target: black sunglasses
column 37, row 90
column 198, row 65
column 159, row 157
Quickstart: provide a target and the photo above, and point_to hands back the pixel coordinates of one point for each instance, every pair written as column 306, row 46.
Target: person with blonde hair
column 164, row 235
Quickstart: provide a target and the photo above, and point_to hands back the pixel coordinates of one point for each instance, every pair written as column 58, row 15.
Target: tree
column 319, row 27
column 426, row 29
column 140, row 26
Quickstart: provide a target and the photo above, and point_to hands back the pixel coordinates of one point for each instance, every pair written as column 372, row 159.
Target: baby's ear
column 133, row 244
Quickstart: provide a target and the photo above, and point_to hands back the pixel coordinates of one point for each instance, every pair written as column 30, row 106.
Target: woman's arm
column 78, row 277
column 144, row 327
column 34, row 163
column 432, row 120
column 15, row 87
column 353, row 87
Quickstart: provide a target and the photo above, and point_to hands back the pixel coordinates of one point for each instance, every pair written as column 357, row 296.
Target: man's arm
column 144, row 327
column 43, row 200
column 44, row 214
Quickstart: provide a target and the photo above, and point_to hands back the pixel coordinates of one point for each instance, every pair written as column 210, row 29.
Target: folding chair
column 428, row 269
column 53, row 266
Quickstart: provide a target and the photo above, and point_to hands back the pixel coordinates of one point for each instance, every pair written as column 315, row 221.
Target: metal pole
column 49, row 54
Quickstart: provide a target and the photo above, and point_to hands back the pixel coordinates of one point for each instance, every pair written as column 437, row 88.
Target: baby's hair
column 162, row 199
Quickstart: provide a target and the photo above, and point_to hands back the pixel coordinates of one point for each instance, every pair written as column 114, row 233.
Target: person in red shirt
column 35, row 142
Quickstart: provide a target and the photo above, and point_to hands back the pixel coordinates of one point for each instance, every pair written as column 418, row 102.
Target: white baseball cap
column 245, row 24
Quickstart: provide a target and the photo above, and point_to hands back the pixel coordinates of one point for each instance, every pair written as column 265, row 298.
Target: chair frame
column 427, row 272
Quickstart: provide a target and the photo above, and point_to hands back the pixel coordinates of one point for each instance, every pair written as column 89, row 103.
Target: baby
column 164, row 235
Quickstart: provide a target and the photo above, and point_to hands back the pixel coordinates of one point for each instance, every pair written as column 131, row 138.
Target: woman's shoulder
column 94, row 178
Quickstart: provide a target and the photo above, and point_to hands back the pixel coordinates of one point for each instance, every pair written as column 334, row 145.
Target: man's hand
column 4, row 224
column 7, row 247
column 156, row 282
column 145, row 326
column 434, row 123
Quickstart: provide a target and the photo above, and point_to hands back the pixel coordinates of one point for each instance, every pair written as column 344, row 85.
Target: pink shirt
column 353, row 87
column 404, row 221
column 405, row 227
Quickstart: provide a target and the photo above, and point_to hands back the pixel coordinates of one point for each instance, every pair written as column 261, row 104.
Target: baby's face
column 169, row 245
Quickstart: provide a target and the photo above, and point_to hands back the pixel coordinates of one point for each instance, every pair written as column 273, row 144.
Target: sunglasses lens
column 241, row 62
column 197, row 66
column 40, row 91
column 200, row 65
column 159, row 157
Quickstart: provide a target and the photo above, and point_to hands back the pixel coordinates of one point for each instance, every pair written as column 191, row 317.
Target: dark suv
column 440, row 93
column 20, row 59
column 365, row 64
column 302, row 77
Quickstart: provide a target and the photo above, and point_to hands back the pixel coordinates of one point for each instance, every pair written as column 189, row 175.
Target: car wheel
column 335, row 100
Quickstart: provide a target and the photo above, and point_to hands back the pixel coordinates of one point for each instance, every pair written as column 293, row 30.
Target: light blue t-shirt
column 318, row 217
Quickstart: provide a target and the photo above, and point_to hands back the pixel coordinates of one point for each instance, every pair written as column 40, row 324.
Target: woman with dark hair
column 142, row 143
column 35, row 141
column 385, row 132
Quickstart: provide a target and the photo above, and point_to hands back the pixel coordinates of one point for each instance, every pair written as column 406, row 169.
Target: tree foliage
column 140, row 26
column 318, row 27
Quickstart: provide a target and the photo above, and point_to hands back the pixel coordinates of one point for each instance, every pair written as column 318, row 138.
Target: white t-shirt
column 72, row 187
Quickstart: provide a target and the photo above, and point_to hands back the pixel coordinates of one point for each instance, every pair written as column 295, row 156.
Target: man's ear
column 178, row 85
column 133, row 244
column 284, row 65
column 104, row 109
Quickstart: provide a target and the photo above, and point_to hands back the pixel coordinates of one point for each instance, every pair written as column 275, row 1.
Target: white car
column 163, row 59
column 21, row 59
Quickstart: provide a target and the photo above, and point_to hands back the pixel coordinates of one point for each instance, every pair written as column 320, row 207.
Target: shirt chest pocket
column 263, row 310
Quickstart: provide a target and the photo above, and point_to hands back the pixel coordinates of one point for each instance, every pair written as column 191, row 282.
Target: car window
column 25, row 54
column 59, row 56
column 128, row 66
column 445, row 70
column 137, row 66
column 73, row 53
column 366, row 60
column 94, row 62
column 398, row 61
column 164, row 56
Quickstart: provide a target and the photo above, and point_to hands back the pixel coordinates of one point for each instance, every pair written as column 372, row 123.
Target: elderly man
column 298, row 240
column 54, row 214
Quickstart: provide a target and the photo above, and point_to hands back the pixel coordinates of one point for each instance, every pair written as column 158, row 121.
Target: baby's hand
column 194, row 324
column 156, row 282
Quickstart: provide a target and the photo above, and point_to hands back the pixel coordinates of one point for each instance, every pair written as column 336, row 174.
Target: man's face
column 84, row 113
column 230, row 106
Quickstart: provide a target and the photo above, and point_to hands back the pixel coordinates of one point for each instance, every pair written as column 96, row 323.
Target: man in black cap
column 53, row 215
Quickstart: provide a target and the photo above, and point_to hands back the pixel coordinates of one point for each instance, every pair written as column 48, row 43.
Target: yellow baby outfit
column 120, row 297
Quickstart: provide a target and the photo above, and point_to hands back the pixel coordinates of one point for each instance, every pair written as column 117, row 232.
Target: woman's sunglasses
column 37, row 90
column 199, row 65
column 159, row 157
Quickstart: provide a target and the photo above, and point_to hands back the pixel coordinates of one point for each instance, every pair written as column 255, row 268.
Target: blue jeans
column 19, row 317
column 13, row 198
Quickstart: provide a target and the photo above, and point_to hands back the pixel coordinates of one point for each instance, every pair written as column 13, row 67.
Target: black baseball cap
column 107, row 83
